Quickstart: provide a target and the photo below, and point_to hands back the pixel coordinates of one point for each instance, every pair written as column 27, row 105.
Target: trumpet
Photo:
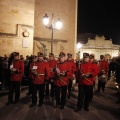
column 34, row 72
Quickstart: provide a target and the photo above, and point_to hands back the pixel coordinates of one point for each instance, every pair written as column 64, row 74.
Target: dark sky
column 100, row 17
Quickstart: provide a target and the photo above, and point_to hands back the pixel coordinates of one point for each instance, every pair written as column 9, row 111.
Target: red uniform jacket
column 43, row 72
column 62, row 80
column 73, row 68
column 97, row 68
column 31, row 66
column 87, row 68
column 19, row 66
column 52, row 65
column 103, row 65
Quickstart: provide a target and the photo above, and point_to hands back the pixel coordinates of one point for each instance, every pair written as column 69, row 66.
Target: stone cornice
column 49, row 40
column 8, row 34
column 17, row 31
column 101, row 48
column 28, row 26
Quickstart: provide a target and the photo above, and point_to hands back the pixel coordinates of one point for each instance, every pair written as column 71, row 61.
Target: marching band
column 59, row 75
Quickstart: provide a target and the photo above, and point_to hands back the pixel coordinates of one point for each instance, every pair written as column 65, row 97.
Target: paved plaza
column 103, row 107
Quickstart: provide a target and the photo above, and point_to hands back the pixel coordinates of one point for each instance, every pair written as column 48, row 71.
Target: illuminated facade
column 100, row 46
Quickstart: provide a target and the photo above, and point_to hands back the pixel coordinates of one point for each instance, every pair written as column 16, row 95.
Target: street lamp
column 52, row 26
column 78, row 47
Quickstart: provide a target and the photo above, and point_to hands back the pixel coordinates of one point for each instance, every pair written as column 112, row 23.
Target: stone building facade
column 100, row 46
column 25, row 16
column 17, row 16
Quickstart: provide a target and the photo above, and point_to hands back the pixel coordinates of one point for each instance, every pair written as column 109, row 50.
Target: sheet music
column 35, row 67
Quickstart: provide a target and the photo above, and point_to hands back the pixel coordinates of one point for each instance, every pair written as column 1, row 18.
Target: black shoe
column 118, row 101
column 86, row 109
column 3, row 89
column 68, row 96
column 8, row 103
column 46, row 95
column 32, row 105
column 52, row 98
column 62, row 107
column 78, row 109
column 97, row 91
column 117, row 93
column 40, row 104
column 90, row 100
column 28, row 93
column 56, row 106
column 15, row 102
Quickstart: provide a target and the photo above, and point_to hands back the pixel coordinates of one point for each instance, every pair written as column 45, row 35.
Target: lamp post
column 78, row 47
column 53, row 26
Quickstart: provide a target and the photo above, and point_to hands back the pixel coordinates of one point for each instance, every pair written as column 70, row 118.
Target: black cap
column 34, row 57
column 40, row 54
column 62, row 54
column 15, row 53
column 85, row 55
column 91, row 56
column 69, row 55
column 51, row 55
column 101, row 56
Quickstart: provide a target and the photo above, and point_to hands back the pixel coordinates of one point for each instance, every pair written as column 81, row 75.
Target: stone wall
column 100, row 46
column 16, row 17
column 64, row 39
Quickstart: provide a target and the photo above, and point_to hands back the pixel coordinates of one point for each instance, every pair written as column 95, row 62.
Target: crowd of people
column 42, row 73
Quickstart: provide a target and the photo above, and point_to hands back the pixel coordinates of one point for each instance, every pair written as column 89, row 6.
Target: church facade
column 99, row 46
column 22, row 29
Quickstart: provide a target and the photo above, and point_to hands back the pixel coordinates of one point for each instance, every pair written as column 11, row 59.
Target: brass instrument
column 34, row 72
column 85, row 77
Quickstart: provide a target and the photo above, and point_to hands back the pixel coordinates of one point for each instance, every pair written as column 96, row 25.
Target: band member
column 33, row 62
column 41, row 72
column 17, row 70
column 52, row 64
column 87, row 73
column 92, row 60
column 61, row 82
column 73, row 70
column 104, row 68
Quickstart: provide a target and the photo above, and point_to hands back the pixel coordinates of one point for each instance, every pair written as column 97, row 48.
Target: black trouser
column 70, row 86
column 52, row 88
column 14, row 86
column 91, row 91
column 101, row 85
column 63, row 91
column 84, row 96
column 41, row 88
column 30, row 85
column 109, row 74
column 5, row 78
column 8, row 79
column 119, row 94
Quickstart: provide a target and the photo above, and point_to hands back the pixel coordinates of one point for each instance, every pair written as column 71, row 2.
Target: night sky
column 100, row 17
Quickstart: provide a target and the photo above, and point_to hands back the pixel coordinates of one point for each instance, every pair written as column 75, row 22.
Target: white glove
column 13, row 69
column 58, row 70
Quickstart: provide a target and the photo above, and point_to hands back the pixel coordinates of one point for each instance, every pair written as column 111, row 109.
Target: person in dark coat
column 117, row 75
